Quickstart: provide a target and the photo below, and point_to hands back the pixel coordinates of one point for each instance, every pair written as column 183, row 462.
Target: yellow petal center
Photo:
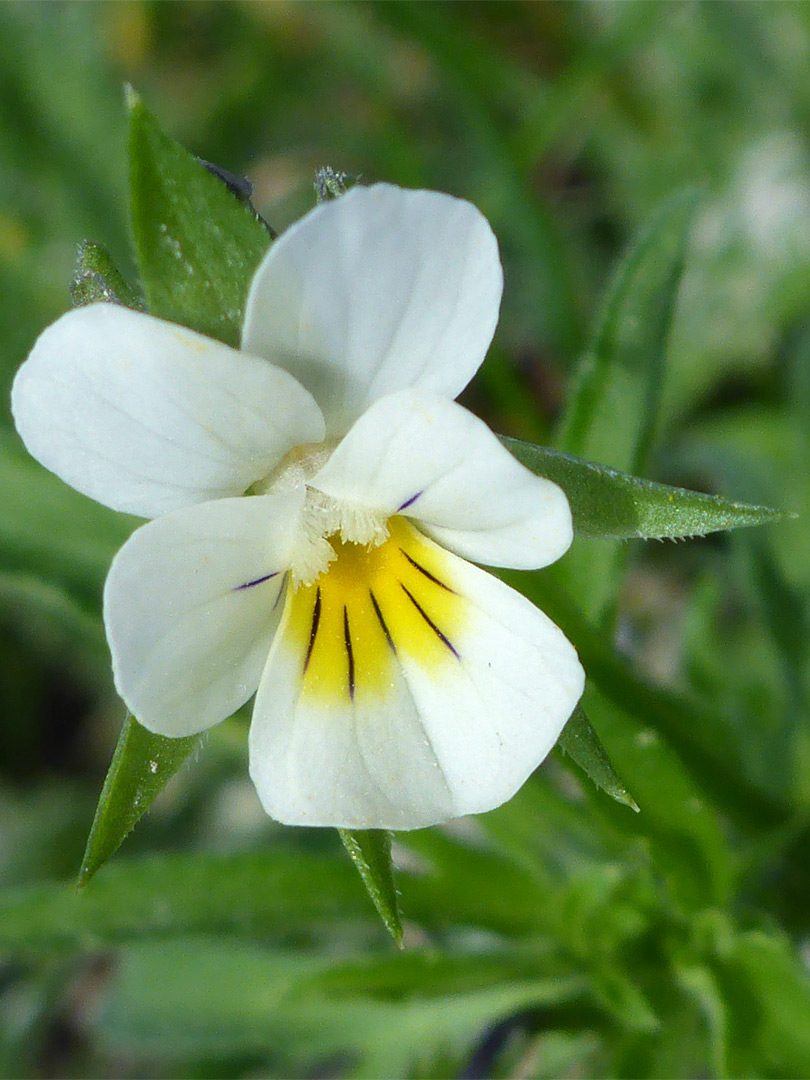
column 372, row 606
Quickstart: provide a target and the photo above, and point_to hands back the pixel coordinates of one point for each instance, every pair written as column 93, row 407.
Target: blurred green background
column 561, row 935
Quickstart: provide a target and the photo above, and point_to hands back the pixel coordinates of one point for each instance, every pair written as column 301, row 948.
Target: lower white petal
column 191, row 603
column 404, row 688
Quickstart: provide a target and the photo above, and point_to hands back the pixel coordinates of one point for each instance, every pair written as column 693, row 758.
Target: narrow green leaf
column 621, row 996
column 699, row 982
column 617, row 387
column 97, row 278
column 370, row 851
column 165, row 895
column 142, row 765
column 582, row 744
column 620, row 375
column 608, row 503
column 197, row 243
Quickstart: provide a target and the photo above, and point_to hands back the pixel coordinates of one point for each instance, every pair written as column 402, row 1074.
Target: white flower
column 397, row 685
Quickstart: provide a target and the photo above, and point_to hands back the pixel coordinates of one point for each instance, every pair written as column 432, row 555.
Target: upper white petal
column 146, row 416
column 191, row 604
column 376, row 291
column 441, row 740
column 432, row 460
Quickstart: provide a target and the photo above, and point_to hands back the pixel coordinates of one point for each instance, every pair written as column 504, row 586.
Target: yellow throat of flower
column 372, row 605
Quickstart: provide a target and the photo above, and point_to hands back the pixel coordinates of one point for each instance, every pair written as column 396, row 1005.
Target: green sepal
column 608, row 503
column 581, row 743
column 97, row 279
column 142, row 765
column 197, row 243
column 370, row 851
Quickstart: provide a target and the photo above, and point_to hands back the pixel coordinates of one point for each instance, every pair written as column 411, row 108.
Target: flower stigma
column 327, row 524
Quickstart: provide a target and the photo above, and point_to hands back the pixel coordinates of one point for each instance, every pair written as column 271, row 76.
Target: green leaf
column 617, row 386
column 211, row 997
column 620, row 375
column 142, row 765
column 97, row 278
column 621, row 996
column 279, row 892
column 197, row 244
column 245, row 894
column 370, row 851
column 767, row 987
column 699, row 982
column 608, row 503
column 582, row 744
column 432, row 973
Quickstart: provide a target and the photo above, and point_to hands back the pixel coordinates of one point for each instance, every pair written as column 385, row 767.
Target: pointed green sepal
column 370, row 851
column 581, row 743
column 96, row 279
column 142, row 765
column 606, row 502
column 196, row 242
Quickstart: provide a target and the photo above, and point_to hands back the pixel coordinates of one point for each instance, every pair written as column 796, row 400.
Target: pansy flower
column 318, row 505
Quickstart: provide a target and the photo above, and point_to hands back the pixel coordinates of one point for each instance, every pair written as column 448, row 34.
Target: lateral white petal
column 191, row 603
column 376, row 291
column 449, row 728
column 496, row 715
column 145, row 416
column 433, row 461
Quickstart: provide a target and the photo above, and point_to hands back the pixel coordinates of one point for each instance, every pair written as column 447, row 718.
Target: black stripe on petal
column 427, row 573
column 256, row 581
column 442, row 637
column 316, row 618
column 347, row 637
column 382, row 622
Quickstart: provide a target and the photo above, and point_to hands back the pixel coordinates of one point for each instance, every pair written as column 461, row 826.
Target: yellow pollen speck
column 370, row 606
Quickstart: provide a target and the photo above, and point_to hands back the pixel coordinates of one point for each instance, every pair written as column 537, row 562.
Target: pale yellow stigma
column 324, row 520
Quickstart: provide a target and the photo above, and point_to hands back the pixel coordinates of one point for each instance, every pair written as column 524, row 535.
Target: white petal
column 191, row 604
column 146, row 416
column 405, row 690
column 434, row 461
column 376, row 291
column 346, row 765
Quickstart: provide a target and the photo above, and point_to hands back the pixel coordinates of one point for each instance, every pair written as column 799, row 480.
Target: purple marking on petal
column 409, row 502
column 256, row 581
column 281, row 589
